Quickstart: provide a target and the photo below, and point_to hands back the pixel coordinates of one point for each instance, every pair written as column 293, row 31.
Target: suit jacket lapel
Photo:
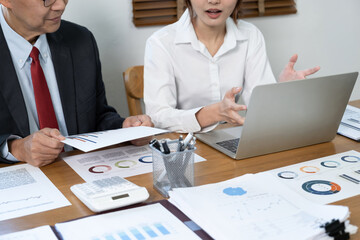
column 10, row 88
column 62, row 60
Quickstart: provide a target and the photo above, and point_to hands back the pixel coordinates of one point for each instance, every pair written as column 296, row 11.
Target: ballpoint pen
column 186, row 141
column 191, row 145
column 180, row 143
column 155, row 143
column 166, row 149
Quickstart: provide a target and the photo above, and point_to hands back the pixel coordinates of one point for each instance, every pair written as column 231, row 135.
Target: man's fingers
column 52, row 133
column 145, row 120
column 131, row 121
column 41, row 163
column 43, row 142
column 136, row 124
column 55, row 133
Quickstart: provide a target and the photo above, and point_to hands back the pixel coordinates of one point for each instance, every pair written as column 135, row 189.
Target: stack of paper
column 255, row 207
column 350, row 123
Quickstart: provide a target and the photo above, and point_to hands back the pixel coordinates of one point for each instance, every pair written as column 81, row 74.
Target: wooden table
column 218, row 167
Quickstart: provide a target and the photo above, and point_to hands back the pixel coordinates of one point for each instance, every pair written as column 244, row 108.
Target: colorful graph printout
column 142, row 223
column 321, row 187
column 91, row 141
column 123, row 161
column 254, row 206
column 324, row 180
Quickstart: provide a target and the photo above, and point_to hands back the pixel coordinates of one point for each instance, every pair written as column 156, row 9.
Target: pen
column 180, row 143
column 191, row 145
column 155, row 143
column 165, row 147
column 187, row 140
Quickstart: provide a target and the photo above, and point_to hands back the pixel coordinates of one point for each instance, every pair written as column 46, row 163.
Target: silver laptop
column 286, row 115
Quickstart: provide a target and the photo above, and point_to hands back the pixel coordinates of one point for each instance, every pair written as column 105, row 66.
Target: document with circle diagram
column 324, row 180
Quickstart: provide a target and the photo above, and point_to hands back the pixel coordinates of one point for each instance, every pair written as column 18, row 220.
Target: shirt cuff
column 209, row 128
column 4, row 149
column 194, row 125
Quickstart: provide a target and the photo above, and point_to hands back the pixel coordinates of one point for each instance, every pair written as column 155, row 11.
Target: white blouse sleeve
column 160, row 91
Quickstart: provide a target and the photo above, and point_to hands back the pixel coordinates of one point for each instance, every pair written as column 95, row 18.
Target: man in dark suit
column 69, row 61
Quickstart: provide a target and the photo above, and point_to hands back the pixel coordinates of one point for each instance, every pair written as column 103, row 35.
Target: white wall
column 323, row 32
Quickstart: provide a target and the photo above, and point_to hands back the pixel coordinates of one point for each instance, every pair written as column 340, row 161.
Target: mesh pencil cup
column 172, row 170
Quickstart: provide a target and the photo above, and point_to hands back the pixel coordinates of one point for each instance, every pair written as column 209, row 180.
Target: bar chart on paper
column 142, row 223
column 91, row 141
column 141, row 232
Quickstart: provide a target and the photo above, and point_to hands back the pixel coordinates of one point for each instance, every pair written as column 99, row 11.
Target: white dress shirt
column 20, row 50
column 181, row 76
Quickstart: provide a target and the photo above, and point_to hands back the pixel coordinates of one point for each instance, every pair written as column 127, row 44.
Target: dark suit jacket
column 78, row 73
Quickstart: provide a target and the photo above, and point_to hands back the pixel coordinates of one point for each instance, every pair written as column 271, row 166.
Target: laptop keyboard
column 230, row 145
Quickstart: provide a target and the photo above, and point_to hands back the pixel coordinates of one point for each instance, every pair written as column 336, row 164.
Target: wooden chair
column 134, row 86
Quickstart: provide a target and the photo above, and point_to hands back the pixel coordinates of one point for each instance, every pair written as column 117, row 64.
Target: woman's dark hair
column 234, row 14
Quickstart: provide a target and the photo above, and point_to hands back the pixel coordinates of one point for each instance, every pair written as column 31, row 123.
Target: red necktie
column 44, row 106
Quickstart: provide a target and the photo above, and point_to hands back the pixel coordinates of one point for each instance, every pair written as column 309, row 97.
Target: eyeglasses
column 48, row 3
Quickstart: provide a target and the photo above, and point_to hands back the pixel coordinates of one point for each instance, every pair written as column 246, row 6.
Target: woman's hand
column 289, row 73
column 225, row 110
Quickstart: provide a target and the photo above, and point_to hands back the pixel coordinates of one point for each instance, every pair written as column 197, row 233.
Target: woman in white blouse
column 196, row 66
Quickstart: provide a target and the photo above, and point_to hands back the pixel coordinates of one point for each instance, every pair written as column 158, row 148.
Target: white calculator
column 109, row 193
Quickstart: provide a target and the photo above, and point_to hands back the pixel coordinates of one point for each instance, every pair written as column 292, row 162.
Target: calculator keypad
column 107, row 186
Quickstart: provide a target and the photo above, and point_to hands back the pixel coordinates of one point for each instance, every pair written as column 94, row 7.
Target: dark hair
column 234, row 14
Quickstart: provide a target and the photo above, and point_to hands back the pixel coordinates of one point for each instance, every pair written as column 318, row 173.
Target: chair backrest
column 134, row 86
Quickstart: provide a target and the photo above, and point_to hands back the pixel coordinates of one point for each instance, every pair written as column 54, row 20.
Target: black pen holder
column 172, row 170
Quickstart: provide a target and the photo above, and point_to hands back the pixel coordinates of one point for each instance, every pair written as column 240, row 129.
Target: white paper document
column 324, row 180
column 39, row 233
column 91, row 141
column 350, row 123
column 254, row 207
column 124, row 161
column 148, row 222
column 25, row 190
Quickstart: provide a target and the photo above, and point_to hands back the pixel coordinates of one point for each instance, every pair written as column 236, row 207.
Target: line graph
column 20, row 200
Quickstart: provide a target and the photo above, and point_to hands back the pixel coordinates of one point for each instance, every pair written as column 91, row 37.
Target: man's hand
column 39, row 148
column 139, row 120
column 289, row 73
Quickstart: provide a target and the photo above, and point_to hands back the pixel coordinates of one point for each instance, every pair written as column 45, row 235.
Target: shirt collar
column 185, row 33
column 232, row 29
column 232, row 36
column 19, row 47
